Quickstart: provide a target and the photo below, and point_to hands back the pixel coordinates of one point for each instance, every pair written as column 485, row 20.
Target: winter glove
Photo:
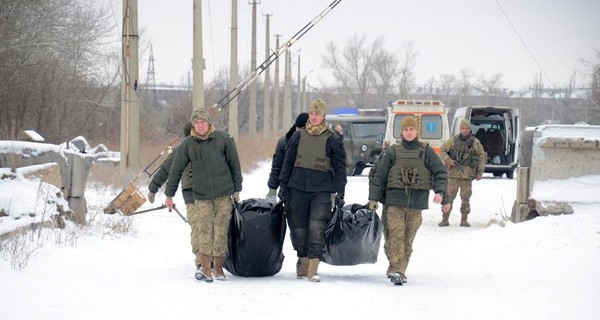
column 272, row 194
column 281, row 194
column 339, row 200
column 151, row 197
column 235, row 197
column 372, row 205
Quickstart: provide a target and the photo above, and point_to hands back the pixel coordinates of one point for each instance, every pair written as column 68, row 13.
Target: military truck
column 363, row 138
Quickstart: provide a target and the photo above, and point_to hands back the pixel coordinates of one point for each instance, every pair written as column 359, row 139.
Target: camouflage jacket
column 470, row 157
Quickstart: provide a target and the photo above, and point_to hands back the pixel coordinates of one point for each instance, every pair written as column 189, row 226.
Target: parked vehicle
column 431, row 117
column 363, row 138
column 497, row 127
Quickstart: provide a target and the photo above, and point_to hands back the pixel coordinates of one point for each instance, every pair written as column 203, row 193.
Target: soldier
column 313, row 168
column 160, row 177
column 464, row 157
column 279, row 155
column 405, row 174
column 216, row 182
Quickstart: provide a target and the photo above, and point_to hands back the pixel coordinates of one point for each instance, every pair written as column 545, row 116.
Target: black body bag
column 352, row 236
column 255, row 239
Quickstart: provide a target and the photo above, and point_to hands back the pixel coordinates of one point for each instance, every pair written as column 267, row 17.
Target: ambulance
column 432, row 121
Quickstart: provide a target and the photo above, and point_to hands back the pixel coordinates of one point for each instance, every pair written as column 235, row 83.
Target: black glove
column 281, row 194
column 339, row 200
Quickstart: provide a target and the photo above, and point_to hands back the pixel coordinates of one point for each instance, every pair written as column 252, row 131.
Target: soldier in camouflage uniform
column 216, row 182
column 464, row 157
column 405, row 174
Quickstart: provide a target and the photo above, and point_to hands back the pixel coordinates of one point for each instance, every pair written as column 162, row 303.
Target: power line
column 525, row 45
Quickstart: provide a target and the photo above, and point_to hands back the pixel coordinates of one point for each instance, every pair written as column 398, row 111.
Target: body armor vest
column 409, row 170
column 312, row 151
column 462, row 149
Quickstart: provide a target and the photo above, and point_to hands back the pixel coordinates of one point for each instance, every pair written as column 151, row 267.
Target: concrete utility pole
column 233, row 71
column 276, row 90
column 130, row 112
column 198, row 60
column 267, row 90
column 286, row 121
column 253, row 86
column 299, row 106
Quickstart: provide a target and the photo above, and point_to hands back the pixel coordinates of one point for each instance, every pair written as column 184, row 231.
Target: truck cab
column 497, row 128
column 363, row 138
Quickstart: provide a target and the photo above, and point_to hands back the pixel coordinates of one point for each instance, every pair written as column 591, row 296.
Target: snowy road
column 543, row 269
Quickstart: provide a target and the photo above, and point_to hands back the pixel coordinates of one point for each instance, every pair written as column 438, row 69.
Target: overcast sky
column 449, row 35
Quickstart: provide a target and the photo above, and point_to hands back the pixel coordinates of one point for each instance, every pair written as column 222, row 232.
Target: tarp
column 256, row 235
column 352, row 236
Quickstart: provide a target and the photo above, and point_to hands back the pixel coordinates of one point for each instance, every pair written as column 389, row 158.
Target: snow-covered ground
column 546, row 268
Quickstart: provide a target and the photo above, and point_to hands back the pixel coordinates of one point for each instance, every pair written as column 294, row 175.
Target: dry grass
column 253, row 150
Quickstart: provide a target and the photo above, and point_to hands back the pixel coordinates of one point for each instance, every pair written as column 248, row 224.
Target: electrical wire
column 525, row 44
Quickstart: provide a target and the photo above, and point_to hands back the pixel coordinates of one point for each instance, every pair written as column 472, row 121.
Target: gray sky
column 449, row 35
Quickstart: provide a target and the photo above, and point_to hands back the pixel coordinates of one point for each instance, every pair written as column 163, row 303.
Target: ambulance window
column 431, row 126
column 397, row 125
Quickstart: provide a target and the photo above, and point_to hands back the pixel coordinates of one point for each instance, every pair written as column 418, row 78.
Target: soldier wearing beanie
column 216, row 183
column 279, row 155
column 405, row 173
column 464, row 156
column 314, row 167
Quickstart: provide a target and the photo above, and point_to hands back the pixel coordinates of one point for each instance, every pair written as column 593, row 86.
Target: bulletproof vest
column 312, row 152
column 409, row 171
column 462, row 149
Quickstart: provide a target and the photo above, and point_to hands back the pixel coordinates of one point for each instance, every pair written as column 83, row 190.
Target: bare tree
column 406, row 72
column 489, row 88
column 383, row 79
column 354, row 67
column 49, row 52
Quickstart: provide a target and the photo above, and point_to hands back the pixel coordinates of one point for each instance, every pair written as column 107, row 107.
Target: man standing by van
column 464, row 157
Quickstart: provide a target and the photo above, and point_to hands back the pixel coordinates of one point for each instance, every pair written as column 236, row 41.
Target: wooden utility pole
column 130, row 112
column 233, row 72
column 267, row 90
column 276, row 90
column 198, row 60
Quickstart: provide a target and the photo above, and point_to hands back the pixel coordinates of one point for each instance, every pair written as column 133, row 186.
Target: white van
column 497, row 127
column 431, row 117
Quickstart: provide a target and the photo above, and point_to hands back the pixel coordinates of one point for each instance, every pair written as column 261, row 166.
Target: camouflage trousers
column 400, row 227
column 466, row 190
column 209, row 221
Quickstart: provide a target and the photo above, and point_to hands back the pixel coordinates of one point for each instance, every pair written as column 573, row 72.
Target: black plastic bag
column 255, row 239
column 352, row 236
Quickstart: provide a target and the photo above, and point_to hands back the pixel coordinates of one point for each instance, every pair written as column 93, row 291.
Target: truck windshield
column 367, row 129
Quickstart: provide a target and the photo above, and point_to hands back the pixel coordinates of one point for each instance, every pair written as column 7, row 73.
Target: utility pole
column 130, row 112
column 198, row 60
column 299, row 105
column 253, row 86
column 276, row 90
column 267, row 90
column 286, row 121
column 233, row 71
